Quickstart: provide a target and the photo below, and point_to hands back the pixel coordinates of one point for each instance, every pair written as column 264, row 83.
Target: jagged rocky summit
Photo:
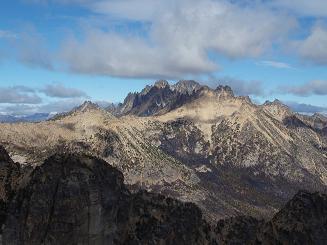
column 159, row 98
column 79, row 199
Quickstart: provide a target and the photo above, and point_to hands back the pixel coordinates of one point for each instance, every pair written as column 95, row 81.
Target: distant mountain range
column 193, row 143
column 37, row 117
column 152, row 100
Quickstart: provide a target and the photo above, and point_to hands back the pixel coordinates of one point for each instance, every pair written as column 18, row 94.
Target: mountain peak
column 186, row 86
column 319, row 116
column 161, row 84
column 87, row 106
column 277, row 104
column 225, row 90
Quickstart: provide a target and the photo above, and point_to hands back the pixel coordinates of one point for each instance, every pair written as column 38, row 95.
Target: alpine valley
column 185, row 143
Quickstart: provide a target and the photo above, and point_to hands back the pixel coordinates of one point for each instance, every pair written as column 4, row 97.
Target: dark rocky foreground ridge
column 79, row 199
column 9, row 178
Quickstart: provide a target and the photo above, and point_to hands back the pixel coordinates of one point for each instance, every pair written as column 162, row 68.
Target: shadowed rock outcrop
column 9, row 175
column 303, row 220
column 77, row 199
column 238, row 230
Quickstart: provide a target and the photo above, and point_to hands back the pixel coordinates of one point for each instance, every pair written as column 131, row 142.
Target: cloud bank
column 317, row 87
column 314, row 47
column 180, row 39
column 18, row 95
column 275, row 64
column 60, row 91
column 306, row 108
column 240, row 87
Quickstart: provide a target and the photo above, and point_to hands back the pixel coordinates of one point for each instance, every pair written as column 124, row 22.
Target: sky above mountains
column 56, row 53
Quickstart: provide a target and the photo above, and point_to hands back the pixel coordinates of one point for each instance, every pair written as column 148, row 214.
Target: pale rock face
column 161, row 84
column 277, row 109
column 203, row 169
column 186, row 87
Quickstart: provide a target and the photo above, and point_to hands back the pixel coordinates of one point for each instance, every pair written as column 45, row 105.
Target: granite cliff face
column 191, row 142
column 80, row 199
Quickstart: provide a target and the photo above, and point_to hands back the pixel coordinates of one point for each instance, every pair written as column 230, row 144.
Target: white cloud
column 317, row 87
column 275, row 64
column 59, row 1
column 315, row 8
column 146, row 9
column 18, row 95
column 4, row 34
column 60, row 91
column 180, row 38
column 111, row 54
column 31, row 49
column 306, row 108
column 314, row 47
column 51, row 107
column 239, row 87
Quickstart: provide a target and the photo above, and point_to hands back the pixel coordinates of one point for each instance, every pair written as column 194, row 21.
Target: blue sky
column 56, row 53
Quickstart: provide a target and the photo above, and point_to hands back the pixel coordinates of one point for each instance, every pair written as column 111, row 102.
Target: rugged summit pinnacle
column 87, row 106
column 162, row 97
column 186, row 87
column 161, row 84
column 225, row 90
column 157, row 99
